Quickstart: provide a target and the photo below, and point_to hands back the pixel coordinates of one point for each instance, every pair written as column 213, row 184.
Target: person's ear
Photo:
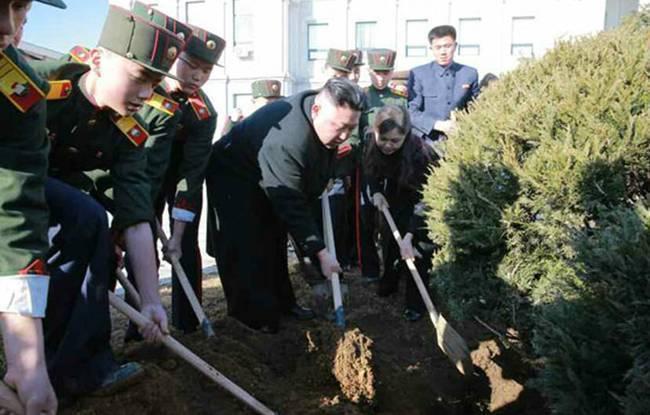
column 96, row 58
column 315, row 110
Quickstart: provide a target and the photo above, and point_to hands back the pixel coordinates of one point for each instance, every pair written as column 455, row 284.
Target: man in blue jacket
column 440, row 87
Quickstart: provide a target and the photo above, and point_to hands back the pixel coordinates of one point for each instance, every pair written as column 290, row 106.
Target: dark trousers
column 77, row 325
column 250, row 243
column 394, row 266
column 183, row 316
column 369, row 229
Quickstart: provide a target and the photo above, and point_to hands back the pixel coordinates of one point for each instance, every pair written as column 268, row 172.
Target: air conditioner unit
column 243, row 51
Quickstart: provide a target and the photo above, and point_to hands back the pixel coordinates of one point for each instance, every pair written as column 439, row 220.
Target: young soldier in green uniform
column 23, row 217
column 380, row 64
column 183, row 184
column 339, row 63
column 263, row 92
column 92, row 126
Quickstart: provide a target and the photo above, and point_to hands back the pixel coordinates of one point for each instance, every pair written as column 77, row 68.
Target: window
column 193, row 11
column 416, row 37
column 469, row 36
column 242, row 101
column 365, row 35
column 522, row 37
column 317, row 41
column 242, row 22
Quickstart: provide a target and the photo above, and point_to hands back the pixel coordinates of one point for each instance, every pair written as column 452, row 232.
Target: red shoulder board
column 343, row 150
column 399, row 89
column 17, row 86
column 200, row 107
column 80, row 54
column 59, row 90
column 131, row 129
column 162, row 103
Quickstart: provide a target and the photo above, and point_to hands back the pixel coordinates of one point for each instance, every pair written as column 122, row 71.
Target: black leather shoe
column 301, row 313
column 119, row 378
column 412, row 315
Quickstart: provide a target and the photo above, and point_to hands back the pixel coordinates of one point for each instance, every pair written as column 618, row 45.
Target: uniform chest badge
column 162, row 103
column 16, row 86
column 200, row 107
column 136, row 133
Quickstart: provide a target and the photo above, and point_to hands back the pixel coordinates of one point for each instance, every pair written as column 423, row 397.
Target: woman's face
column 389, row 142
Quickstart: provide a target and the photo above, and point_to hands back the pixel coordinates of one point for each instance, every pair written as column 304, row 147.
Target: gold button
column 172, row 52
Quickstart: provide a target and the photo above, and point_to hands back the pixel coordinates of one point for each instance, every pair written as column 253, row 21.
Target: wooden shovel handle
column 185, row 284
column 328, row 232
column 191, row 358
column 424, row 293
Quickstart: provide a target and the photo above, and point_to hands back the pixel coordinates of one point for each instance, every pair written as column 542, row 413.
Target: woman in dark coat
column 396, row 162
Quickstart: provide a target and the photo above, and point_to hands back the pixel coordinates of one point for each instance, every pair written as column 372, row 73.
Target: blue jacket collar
column 440, row 71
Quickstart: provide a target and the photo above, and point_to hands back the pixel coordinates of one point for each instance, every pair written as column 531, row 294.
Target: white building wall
column 279, row 49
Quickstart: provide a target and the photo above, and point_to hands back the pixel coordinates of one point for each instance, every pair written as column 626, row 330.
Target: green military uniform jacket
column 85, row 139
column 160, row 115
column 23, row 166
column 377, row 99
column 191, row 152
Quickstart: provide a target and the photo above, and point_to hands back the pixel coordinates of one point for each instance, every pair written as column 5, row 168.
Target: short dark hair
column 442, row 31
column 342, row 91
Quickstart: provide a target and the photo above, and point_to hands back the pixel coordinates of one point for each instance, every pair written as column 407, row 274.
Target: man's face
column 380, row 79
column 192, row 72
column 333, row 124
column 122, row 85
column 12, row 16
column 443, row 49
column 390, row 142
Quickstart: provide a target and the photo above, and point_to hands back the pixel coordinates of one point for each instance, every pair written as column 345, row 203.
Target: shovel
column 191, row 358
column 206, row 326
column 449, row 341
column 339, row 314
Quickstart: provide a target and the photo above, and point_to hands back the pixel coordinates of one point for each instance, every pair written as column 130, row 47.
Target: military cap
column 55, row 3
column 358, row 57
column 341, row 60
column 157, row 17
column 266, row 88
column 205, row 45
column 140, row 40
column 381, row 59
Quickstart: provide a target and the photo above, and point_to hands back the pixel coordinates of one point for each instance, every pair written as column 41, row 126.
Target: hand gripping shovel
column 206, row 326
column 191, row 358
column 331, row 247
column 449, row 341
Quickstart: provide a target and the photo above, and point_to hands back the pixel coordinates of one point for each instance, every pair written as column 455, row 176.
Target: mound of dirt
column 353, row 367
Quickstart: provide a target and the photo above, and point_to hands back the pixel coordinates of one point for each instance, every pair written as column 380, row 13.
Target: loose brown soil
column 380, row 364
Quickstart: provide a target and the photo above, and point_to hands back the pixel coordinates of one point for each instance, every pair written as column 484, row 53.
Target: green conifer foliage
column 541, row 216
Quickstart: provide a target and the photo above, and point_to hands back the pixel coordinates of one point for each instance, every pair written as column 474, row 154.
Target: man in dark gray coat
column 440, row 87
column 262, row 178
